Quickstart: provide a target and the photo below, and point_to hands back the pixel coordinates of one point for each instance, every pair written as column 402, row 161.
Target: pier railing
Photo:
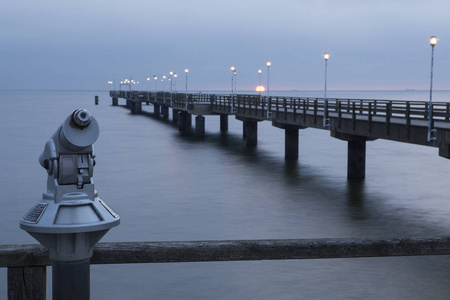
column 27, row 263
column 257, row 105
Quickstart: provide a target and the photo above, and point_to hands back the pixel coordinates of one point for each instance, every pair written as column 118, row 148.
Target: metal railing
column 256, row 105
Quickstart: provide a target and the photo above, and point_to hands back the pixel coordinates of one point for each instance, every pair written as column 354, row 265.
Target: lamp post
column 326, row 121
column 155, row 78
column 175, row 84
column 171, row 86
column 433, row 40
column 186, row 71
column 235, row 82
column 259, row 82
column 232, row 74
column 268, row 64
column 113, row 83
column 259, row 73
column 148, row 83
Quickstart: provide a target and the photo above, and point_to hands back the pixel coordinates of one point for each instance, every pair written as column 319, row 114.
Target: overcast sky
column 83, row 44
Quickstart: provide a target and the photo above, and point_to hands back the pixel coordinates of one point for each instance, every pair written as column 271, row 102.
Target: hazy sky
column 82, row 44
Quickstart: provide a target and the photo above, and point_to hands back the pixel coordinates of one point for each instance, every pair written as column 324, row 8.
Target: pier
column 356, row 121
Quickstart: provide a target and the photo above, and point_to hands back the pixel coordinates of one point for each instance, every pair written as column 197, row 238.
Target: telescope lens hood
column 79, row 130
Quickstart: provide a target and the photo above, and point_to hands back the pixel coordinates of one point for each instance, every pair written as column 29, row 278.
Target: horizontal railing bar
column 237, row 250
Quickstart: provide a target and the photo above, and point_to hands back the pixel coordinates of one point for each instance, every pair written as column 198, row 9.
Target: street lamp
column 186, row 71
column 259, row 72
column 175, row 84
column 171, row 86
column 326, row 120
column 113, row 83
column 433, row 40
column 155, row 78
column 232, row 74
column 235, row 82
column 268, row 64
column 164, row 88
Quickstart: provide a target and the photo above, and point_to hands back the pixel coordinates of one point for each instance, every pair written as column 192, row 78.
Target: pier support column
column 356, row 159
column 129, row 104
column 223, row 123
column 244, row 131
column 157, row 109
column 291, row 143
column 188, row 120
column 115, row 101
column 136, row 107
column 182, row 121
column 165, row 112
column 356, row 153
column 200, row 126
column 175, row 116
column 251, row 130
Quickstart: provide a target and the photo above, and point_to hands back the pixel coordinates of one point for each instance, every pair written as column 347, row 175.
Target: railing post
column 388, row 117
column 408, row 120
column 339, row 114
column 27, row 283
column 447, row 111
column 315, row 111
column 370, row 117
column 295, row 107
column 278, row 109
column 354, row 116
column 304, row 110
column 285, row 108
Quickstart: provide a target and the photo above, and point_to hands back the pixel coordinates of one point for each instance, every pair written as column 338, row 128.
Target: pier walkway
column 353, row 120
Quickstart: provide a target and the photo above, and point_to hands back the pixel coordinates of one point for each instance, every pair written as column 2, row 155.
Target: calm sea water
column 170, row 187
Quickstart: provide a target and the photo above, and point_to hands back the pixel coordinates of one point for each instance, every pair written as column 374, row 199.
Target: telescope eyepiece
column 81, row 118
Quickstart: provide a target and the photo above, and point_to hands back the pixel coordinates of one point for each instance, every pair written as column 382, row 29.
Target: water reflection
column 355, row 199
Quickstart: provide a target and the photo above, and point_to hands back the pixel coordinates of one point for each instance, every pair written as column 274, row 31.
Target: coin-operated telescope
column 70, row 218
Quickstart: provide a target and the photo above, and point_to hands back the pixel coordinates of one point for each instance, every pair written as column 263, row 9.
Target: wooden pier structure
column 356, row 121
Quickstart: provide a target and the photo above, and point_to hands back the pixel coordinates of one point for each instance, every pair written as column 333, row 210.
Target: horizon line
column 218, row 90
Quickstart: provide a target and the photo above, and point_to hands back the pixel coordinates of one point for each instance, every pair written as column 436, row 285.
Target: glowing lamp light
column 260, row 88
column 326, row 56
column 268, row 64
column 433, row 40
column 186, row 70
column 232, row 69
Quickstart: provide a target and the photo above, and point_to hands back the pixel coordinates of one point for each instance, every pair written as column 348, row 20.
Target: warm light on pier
column 433, row 40
column 326, row 56
column 260, row 88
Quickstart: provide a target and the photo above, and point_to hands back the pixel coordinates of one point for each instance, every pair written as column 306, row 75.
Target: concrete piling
column 356, row 159
column 200, row 126
column 251, row 129
column 223, row 123
column 291, row 143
